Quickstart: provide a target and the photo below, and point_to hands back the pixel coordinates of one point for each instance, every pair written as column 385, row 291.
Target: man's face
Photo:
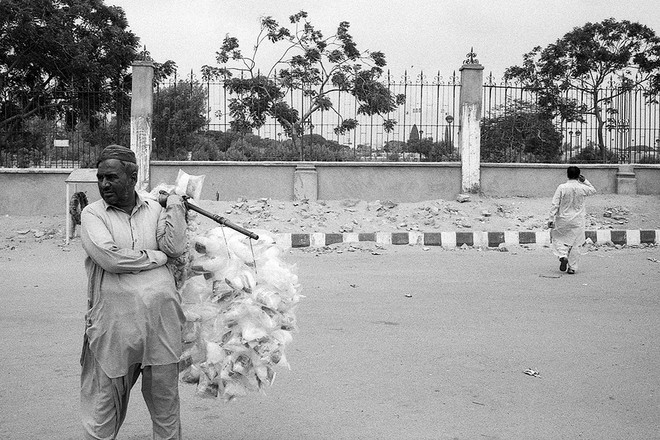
column 115, row 186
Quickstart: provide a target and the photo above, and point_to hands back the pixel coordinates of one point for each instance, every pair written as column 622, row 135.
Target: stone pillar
column 305, row 182
column 626, row 182
column 469, row 133
column 142, row 101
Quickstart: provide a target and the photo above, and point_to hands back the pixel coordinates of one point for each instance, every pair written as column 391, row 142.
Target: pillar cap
column 142, row 63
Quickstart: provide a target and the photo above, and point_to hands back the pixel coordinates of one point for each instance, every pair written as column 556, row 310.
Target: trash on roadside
column 532, row 373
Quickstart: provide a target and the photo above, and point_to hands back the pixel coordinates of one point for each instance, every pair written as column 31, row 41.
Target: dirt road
column 405, row 344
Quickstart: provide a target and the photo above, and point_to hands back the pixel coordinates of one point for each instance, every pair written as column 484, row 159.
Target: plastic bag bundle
column 239, row 299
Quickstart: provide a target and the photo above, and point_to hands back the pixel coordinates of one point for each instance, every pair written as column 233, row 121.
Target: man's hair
column 573, row 172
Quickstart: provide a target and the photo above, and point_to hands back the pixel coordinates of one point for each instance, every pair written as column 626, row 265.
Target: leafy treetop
column 57, row 45
column 584, row 60
column 311, row 62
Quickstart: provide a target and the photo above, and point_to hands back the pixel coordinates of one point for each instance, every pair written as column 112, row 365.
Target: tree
column 51, row 46
column 583, row 60
column 317, row 65
column 431, row 151
column 178, row 115
column 519, row 132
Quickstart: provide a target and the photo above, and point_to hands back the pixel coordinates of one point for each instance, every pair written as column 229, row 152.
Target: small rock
column 485, row 213
column 462, row 198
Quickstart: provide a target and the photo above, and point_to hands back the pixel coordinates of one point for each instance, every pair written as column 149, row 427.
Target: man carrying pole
column 134, row 317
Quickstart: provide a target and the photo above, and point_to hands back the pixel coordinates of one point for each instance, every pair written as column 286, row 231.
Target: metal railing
column 74, row 125
column 67, row 129
column 631, row 131
column 430, row 110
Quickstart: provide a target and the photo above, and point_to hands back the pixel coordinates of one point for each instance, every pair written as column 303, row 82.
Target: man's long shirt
column 135, row 314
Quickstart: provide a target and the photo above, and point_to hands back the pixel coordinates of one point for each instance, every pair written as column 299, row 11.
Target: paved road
column 409, row 344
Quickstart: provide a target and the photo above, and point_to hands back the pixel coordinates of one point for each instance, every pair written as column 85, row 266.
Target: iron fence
column 65, row 129
column 72, row 126
column 430, row 111
column 630, row 130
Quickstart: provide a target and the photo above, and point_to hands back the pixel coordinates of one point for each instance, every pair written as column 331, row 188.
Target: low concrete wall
column 398, row 182
column 36, row 191
column 43, row 191
column 541, row 180
column 231, row 180
column 648, row 179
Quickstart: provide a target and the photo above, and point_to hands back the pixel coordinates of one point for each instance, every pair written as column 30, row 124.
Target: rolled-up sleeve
column 100, row 246
column 171, row 233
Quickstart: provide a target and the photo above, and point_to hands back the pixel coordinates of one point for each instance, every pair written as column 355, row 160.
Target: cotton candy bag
column 239, row 299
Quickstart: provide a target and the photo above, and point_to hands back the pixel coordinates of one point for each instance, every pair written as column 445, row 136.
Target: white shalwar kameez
column 568, row 214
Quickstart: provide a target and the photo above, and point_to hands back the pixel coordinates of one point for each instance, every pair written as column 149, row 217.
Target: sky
column 416, row 35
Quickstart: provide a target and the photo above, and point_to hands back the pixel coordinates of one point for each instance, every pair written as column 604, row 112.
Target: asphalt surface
column 406, row 344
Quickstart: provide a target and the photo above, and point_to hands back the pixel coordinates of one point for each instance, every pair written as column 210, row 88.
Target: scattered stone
column 462, row 198
column 388, row 204
column 485, row 213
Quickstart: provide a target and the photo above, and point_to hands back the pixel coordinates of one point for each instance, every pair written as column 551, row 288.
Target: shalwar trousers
column 104, row 400
column 570, row 252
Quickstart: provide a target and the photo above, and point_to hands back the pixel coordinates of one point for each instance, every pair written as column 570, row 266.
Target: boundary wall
column 43, row 191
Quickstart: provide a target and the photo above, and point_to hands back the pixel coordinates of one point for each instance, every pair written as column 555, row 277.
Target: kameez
column 569, row 216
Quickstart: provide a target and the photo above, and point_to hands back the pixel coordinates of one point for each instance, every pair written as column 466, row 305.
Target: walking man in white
column 567, row 219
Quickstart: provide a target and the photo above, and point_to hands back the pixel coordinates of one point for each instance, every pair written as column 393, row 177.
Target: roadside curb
column 483, row 239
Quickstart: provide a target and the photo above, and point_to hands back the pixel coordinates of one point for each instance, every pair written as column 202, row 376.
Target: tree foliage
column 178, row 116
column 50, row 46
column 311, row 62
column 583, row 60
column 442, row 151
column 519, row 133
